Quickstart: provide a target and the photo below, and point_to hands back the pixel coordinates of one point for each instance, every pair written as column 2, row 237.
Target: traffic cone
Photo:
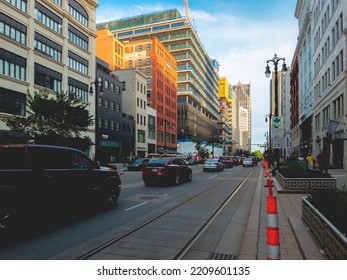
column 272, row 230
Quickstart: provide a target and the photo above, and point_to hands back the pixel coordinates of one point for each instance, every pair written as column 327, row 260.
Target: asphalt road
column 136, row 201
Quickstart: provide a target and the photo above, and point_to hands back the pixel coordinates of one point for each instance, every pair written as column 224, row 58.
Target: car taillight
column 228, row 160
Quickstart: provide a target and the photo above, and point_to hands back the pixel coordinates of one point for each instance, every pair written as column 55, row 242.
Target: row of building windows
column 12, row 33
column 330, row 75
column 79, row 66
column 111, row 86
column 336, row 34
column 115, row 125
column 82, row 19
column 78, row 40
column 9, row 104
column 54, row 25
column 48, row 50
column 322, row 119
column 19, row 4
column 141, row 103
column 140, row 119
column 102, row 102
column 129, row 33
column 12, row 70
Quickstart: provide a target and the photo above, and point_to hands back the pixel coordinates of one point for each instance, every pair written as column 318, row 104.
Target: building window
column 118, row 107
column 78, row 12
column 13, row 29
column 106, row 84
column 78, row 38
column 117, row 126
column 78, row 63
column 19, row 4
column 117, row 90
column 12, row 102
column 47, row 77
column 141, row 136
column 12, row 65
column 48, row 18
column 48, row 47
column 107, row 104
column 78, row 88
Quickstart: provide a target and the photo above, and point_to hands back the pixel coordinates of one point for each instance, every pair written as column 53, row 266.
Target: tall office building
column 45, row 45
column 198, row 78
column 153, row 59
column 321, row 53
column 242, row 95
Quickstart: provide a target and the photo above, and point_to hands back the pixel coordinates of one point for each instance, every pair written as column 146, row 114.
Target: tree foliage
column 58, row 119
column 200, row 149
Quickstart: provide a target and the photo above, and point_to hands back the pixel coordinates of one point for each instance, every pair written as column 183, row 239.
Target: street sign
column 276, row 143
column 276, row 121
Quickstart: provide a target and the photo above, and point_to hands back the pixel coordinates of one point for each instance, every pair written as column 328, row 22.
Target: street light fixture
column 275, row 60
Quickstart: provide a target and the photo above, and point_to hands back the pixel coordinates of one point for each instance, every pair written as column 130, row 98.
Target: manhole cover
column 219, row 256
column 148, row 197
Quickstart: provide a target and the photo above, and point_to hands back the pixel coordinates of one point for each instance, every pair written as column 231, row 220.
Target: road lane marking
column 212, row 176
column 138, row 205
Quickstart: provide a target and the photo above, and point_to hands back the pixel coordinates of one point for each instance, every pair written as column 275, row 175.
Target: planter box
column 334, row 243
column 305, row 184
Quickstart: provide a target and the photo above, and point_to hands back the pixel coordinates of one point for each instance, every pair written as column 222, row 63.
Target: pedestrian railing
column 333, row 242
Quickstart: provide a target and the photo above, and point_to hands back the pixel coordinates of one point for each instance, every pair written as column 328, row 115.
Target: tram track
column 181, row 252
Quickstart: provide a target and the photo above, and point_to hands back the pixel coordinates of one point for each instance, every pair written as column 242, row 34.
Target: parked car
column 138, row 164
column 170, row 170
column 213, row 164
column 247, row 162
column 226, row 160
column 35, row 179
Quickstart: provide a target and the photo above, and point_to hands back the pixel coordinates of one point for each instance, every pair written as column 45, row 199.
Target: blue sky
column 241, row 34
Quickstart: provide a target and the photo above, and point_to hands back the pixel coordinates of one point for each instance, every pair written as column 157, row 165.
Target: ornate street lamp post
column 275, row 60
column 98, row 90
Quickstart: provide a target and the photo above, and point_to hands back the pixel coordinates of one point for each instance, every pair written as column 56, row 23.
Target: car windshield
column 159, row 160
column 140, row 160
column 211, row 160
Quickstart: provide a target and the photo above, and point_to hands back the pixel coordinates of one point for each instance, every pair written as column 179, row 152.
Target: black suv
column 227, row 161
column 38, row 178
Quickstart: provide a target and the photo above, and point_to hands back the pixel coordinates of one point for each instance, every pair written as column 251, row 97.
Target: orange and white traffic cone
column 272, row 230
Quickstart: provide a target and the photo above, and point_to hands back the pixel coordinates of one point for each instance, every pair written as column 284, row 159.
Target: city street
column 137, row 205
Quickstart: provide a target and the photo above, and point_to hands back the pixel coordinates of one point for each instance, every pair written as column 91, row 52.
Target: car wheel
column 110, row 194
column 190, row 176
column 177, row 179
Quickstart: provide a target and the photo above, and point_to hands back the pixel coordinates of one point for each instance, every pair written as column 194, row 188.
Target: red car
column 170, row 170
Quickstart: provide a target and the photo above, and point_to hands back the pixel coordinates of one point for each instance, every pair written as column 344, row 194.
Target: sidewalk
column 297, row 242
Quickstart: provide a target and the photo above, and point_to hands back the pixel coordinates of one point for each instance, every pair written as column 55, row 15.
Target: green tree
column 200, row 149
column 258, row 154
column 56, row 120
